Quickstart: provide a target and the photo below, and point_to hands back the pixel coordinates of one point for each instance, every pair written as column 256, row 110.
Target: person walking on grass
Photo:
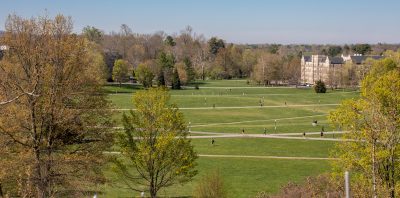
column 212, row 141
column 322, row 131
column 243, row 131
column 265, row 131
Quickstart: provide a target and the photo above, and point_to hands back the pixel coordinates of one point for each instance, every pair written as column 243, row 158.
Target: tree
column 144, row 75
column 170, row 41
column 268, row 68
column 165, row 63
column 54, row 122
column 274, row 48
column 93, row 34
column 189, row 70
column 372, row 122
column 214, row 44
column 334, row 50
column 155, row 143
column 160, row 78
column 120, row 71
column 361, row 49
column 320, row 87
column 176, row 82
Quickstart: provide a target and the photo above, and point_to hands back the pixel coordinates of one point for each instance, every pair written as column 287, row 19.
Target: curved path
column 243, row 107
column 267, row 136
column 267, row 157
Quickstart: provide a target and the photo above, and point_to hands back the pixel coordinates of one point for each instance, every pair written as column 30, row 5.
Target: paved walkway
column 243, row 107
column 250, row 121
column 247, row 156
column 267, row 136
column 266, row 157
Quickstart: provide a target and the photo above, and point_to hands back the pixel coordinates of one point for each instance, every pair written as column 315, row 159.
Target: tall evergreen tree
column 189, row 70
column 176, row 82
column 160, row 78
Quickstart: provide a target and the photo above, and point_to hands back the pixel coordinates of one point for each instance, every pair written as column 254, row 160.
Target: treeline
column 158, row 57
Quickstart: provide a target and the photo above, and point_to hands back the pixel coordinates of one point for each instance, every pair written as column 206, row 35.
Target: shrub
column 211, row 185
column 319, row 186
column 320, row 87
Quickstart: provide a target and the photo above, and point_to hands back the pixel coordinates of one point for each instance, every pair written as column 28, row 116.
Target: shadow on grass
column 123, row 88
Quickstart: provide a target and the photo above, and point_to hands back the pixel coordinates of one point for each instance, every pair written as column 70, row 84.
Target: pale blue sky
column 238, row 21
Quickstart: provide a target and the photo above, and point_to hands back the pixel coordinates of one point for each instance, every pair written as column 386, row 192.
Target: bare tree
column 52, row 108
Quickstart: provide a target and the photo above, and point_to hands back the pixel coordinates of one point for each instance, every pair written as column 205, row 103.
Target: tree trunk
column 1, row 191
column 153, row 191
column 40, row 189
column 373, row 169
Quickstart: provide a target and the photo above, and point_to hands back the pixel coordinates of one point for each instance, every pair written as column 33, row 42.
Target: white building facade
column 325, row 68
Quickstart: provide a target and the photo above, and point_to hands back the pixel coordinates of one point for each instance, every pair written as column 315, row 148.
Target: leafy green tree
column 334, row 50
column 176, row 82
column 166, row 61
column 93, row 34
column 160, row 78
column 189, row 70
column 214, row 44
column 144, row 75
column 320, row 87
column 274, row 48
column 170, row 41
column 120, row 71
column 362, row 49
column 166, row 64
column 373, row 122
column 155, row 143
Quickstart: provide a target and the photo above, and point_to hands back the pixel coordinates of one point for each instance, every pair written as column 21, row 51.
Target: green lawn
column 245, row 176
column 263, row 147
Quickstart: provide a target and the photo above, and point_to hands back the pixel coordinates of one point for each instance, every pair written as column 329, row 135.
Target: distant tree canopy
column 120, row 71
column 334, row 50
column 144, row 75
column 362, row 49
column 170, row 41
column 274, row 48
column 215, row 44
column 93, row 34
column 210, row 58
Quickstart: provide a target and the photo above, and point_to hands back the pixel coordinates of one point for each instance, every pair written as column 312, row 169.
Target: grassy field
column 237, row 107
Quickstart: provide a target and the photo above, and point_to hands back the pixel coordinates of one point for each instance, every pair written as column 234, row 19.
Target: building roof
column 361, row 59
column 336, row 60
column 307, row 58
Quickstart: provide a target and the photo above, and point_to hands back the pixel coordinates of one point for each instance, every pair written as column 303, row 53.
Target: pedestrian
column 304, row 134
column 212, row 141
column 322, row 134
column 285, row 103
column 142, row 194
column 243, row 131
column 265, row 131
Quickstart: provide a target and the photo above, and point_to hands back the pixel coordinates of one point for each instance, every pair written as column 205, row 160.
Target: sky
column 235, row 21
